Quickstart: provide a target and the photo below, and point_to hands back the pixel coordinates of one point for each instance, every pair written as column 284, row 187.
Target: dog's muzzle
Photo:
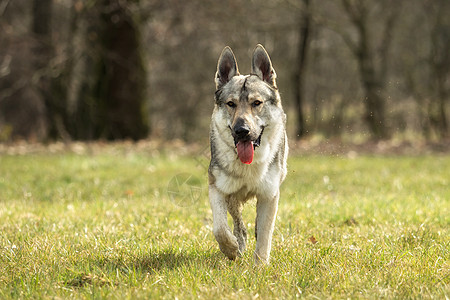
column 242, row 134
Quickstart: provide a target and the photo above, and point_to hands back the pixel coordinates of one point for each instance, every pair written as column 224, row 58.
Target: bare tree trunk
column 372, row 70
column 373, row 85
column 42, row 54
column 440, row 66
column 108, row 79
column 299, row 73
column 121, row 82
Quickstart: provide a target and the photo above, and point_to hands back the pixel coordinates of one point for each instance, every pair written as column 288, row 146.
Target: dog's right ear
column 226, row 67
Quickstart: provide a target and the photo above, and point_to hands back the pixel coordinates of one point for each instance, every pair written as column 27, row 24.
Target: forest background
column 134, row 69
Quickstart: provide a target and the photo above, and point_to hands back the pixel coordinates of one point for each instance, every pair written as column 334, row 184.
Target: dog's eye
column 231, row 104
column 256, row 103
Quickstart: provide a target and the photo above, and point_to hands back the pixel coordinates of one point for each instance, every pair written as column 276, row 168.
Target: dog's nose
column 241, row 131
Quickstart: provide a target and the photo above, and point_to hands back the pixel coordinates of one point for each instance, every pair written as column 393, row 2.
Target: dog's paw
column 260, row 260
column 228, row 244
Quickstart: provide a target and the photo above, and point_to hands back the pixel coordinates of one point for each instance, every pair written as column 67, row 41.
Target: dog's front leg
column 239, row 230
column 228, row 243
column 266, row 211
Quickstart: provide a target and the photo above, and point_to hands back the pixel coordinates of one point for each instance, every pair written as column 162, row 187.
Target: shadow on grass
column 166, row 259
column 169, row 260
column 152, row 262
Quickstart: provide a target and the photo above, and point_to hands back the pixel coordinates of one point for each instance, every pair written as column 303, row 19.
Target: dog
column 249, row 149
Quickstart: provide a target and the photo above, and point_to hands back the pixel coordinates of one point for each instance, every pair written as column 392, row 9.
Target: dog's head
column 246, row 98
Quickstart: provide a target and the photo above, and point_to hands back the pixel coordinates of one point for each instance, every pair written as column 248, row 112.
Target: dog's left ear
column 262, row 66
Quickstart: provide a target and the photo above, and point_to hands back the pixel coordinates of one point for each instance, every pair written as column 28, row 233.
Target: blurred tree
column 106, row 76
column 372, row 57
column 22, row 78
column 439, row 60
column 425, row 65
column 300, row 70
column 75, row 68
column 121, row 78
column 43, row 53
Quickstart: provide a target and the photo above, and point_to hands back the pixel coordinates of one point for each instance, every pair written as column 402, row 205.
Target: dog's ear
column 226, row 67
column 262, row 66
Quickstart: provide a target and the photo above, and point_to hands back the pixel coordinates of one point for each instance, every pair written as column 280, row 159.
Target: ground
column 133, row 221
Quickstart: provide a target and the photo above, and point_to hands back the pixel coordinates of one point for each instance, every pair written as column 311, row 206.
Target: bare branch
column 3, row 6
column 356, row 10
column 18, row 85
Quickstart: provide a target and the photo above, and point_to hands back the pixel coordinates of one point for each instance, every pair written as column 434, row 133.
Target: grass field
column 125, row 224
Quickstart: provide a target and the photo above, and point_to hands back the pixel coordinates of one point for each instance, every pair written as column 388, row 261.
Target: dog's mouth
column 246, row 148
column 255, row 143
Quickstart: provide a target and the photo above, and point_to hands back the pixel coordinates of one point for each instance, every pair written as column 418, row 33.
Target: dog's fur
column 247, row 108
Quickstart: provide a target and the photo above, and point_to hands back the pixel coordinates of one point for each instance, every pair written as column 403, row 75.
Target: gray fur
column 252, row 101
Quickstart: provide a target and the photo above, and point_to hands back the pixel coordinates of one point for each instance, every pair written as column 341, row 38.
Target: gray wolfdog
column 248, row 152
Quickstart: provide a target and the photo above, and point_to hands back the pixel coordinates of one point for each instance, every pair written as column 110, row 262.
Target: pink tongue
column 245, row 152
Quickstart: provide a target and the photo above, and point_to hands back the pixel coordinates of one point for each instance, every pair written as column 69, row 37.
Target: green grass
column 109, row 225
